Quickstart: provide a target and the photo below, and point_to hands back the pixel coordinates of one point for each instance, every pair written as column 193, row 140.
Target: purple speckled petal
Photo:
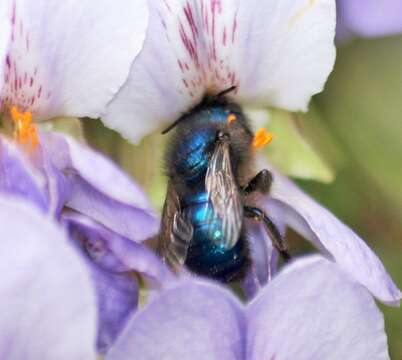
column 46, row 295
column 113, row 252
column 63, row 75
column 58, row 186
column 117, row 300
column 332, row 237
column 313, row 310
column 5, row 31
column 194, row 320
column 195, row 46
column 369, row 18
column 264, row 259
column 100, row 189
column 18, row 177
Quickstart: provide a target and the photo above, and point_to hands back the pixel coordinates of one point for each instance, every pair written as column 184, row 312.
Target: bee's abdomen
column 204, row 257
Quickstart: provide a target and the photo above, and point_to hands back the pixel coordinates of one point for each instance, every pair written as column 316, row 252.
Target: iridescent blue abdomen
column 204, row 256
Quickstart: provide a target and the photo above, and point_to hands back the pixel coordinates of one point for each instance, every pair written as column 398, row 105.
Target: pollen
column 261, row 138
column 231, row 118
column 25, row 133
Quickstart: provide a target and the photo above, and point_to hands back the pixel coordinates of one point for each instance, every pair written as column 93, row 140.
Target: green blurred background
column 361, row 108
column 346, row 152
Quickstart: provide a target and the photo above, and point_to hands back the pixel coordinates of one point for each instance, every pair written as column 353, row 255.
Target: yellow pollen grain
column 25, row 133
column 261, row 138
column 231, row 118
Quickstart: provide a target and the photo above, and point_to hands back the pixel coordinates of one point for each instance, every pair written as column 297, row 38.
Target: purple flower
column 46, row 71
column 48, row 303
column 69, row 189
column 51, row 308
column 369, row 18
column 107, row 225
column 290, row 206
column 311, row 310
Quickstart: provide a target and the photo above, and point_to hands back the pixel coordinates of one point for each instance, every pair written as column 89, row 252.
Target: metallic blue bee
column 209, row 192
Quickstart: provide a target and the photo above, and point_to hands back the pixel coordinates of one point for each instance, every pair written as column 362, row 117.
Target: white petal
column 71, row 57
column 287, row 50
column 158, row 89
column 5, row 31
column 333, row 238
column 313, row 310
column 48, row 305
column 277, row 52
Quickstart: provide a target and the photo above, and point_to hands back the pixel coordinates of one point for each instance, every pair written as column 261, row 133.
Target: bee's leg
column 261, row 182
column 273, row 232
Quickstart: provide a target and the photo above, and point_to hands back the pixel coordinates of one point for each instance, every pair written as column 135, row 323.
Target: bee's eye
column 222, row 136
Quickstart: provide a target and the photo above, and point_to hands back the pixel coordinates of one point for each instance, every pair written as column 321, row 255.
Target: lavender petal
column 332, row 237
column 47, row 299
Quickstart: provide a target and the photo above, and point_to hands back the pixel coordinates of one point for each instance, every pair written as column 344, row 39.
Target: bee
column 210, row 192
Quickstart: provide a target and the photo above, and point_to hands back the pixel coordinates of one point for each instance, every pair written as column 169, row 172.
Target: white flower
column 67, row 57
column 277, row 52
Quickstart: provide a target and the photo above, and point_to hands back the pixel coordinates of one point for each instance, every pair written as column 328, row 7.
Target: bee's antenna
column 171, row 126
column 225, row 92
column 206, row 100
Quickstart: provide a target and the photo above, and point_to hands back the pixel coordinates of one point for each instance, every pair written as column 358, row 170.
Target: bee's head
column 213, row 108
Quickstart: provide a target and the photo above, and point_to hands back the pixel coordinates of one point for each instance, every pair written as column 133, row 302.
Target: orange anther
column 261, row 138
column 231, row 118
column 25, row 132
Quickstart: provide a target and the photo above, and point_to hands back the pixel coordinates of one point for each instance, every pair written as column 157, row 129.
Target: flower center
column 25, row 133
column 261, row 138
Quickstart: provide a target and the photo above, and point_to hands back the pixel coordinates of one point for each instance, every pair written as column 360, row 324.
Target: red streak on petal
column 213, row 4
column 13, row 15
column 27, row 43
column 189, row 15
column 167, row 5
column 234, row 28
column 189, row 45
column 180, row 65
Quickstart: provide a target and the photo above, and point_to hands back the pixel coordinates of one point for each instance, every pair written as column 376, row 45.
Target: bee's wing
column 224, row 195
column 176, row 232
